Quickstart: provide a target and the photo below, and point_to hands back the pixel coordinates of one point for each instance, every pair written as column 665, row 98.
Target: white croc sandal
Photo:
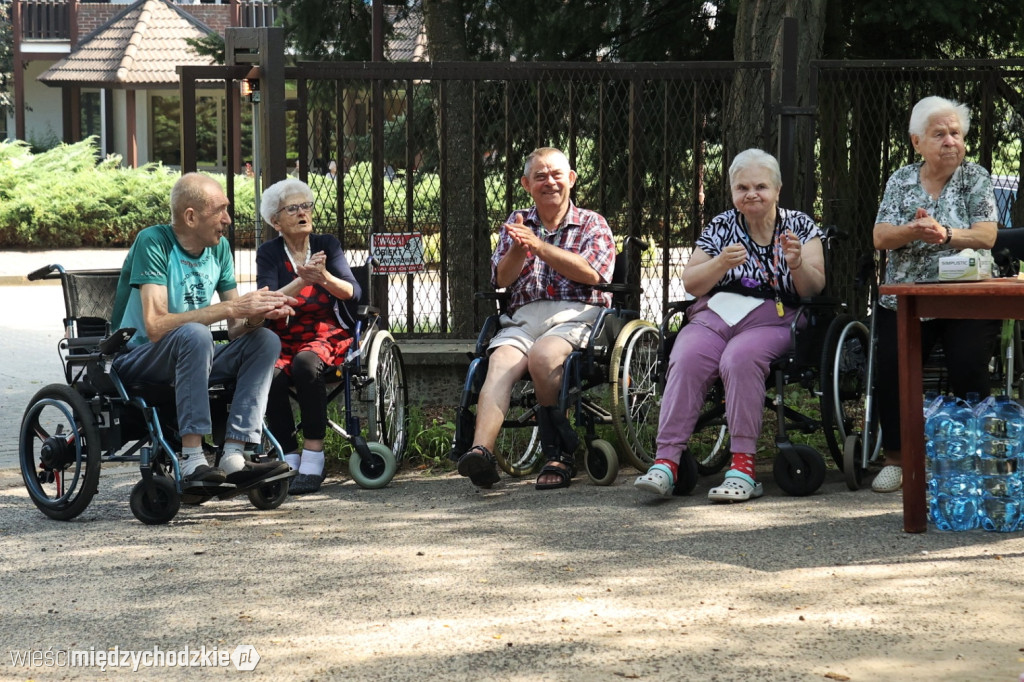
column 735, row 489
column 888, row 480
column 657, row 481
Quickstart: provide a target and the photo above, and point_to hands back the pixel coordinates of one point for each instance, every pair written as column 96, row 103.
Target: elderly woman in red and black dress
column 312, row 268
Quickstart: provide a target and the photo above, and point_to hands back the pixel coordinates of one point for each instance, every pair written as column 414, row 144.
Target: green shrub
column 67, row 197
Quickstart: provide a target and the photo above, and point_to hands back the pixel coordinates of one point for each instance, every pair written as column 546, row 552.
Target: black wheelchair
column 799, row 469
column 371, row 384
column 69, row 430
column 587, row 373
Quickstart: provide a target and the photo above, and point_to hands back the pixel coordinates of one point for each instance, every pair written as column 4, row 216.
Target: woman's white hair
column 932, row 106
column 757, row 158
column 272, row 200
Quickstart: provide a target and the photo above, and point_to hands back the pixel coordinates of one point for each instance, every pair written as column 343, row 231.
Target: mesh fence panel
column 863, row 116
column 649, row 146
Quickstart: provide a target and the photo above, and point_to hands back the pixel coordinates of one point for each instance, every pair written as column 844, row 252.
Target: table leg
column 915, row 512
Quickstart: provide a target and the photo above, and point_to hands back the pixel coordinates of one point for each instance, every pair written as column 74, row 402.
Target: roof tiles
column 138, row 48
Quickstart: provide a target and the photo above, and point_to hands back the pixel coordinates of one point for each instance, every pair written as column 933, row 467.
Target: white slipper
column 888, row 480
column 657, row 480
column 736, row 489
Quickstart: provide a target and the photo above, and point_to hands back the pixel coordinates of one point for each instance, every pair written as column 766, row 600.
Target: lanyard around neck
column 768, row 269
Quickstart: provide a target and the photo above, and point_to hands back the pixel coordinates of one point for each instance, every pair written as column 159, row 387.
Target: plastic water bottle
column 951, row 490
column 1000, row 435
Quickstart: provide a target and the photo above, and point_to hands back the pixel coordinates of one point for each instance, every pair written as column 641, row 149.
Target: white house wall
column 44, row 124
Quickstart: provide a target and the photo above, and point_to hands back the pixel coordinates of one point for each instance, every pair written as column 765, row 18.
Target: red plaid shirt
column 581, row 231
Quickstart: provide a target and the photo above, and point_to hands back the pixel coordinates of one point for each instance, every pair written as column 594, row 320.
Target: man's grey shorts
column 569, row 320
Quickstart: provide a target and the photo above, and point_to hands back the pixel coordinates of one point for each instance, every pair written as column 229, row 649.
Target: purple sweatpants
column 706, row 349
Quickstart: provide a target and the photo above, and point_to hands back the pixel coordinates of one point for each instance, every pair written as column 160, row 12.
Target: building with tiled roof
column 139, row 48
column 109, row 69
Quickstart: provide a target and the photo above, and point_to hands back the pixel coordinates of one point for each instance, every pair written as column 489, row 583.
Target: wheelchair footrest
column 239, row 489
column 200, row 491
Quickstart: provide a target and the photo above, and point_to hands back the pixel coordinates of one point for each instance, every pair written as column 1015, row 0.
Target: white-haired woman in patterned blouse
column 750, row 267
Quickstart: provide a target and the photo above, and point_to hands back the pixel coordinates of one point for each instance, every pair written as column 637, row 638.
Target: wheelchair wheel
column 636, row 401
column 154, row 502
column 388, row 421
column 375, row 471
column 602, row 462
column 59, row 452
column 686, row 475
column 803, row 477
column 709, row 443
column 269, row 496
column 853, row 468
column 844, row 377
column 518, row 446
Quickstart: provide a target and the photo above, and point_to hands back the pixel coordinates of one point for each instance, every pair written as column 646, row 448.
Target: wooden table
column 993, row 299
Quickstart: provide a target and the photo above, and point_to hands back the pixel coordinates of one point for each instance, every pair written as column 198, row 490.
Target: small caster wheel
column 602, row 462
column 154, row 502
column 802, row 474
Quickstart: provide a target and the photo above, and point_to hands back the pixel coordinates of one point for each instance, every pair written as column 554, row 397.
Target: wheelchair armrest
column 365, row 311
column 501, row 297
column 616, row 287
column 117, row 341
column 491, row 326
column 821, row 301
column 673, row 308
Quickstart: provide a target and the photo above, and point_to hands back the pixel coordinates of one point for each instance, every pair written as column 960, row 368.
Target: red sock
column 673, row 466
column 743, row 462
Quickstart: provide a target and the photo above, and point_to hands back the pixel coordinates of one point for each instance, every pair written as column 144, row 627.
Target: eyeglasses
column 292, row 209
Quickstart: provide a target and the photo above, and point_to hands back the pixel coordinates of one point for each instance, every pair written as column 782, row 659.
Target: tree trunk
column 758, row 37
column 465, row 244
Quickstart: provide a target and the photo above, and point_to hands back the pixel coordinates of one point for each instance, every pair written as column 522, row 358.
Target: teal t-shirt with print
column 156, row 257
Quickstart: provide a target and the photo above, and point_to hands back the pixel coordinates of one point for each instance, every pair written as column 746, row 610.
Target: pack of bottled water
column 974, row 462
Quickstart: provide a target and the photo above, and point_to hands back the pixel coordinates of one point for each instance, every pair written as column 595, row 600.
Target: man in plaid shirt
column 549, row 258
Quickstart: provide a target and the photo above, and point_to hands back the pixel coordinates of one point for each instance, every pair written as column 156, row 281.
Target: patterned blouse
column 966, row 199
column 765, row 264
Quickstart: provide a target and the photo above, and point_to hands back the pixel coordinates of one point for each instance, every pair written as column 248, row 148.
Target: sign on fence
column 398, row 252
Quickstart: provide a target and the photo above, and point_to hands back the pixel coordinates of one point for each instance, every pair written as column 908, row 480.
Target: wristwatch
column 949, row 234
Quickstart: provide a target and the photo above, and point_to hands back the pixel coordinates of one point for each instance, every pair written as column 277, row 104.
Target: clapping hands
column 314, row 271
column 927, row 228
column 523, row 236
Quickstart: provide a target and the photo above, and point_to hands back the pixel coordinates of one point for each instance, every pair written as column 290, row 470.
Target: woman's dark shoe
column 303, row 484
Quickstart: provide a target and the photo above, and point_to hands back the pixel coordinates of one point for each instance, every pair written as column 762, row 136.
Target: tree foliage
column 6, row 56
column 953, row 29
column 334, row 30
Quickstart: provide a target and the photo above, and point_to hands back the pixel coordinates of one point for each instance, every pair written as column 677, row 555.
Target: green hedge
column 64, row 198
column 68, row 197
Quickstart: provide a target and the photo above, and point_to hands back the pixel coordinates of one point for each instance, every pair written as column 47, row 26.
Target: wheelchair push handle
column 46, row 272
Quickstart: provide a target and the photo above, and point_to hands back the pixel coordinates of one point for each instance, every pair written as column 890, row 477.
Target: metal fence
column 863, row 111
column 437, row 150
column 650, row 145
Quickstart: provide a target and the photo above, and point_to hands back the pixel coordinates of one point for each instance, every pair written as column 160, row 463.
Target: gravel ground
column 431, row 578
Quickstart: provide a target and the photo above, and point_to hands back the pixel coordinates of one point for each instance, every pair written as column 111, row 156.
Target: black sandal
column 565, row 473
column 479, row 465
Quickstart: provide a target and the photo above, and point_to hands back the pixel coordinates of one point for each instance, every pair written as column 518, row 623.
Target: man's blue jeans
column 188, row 359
